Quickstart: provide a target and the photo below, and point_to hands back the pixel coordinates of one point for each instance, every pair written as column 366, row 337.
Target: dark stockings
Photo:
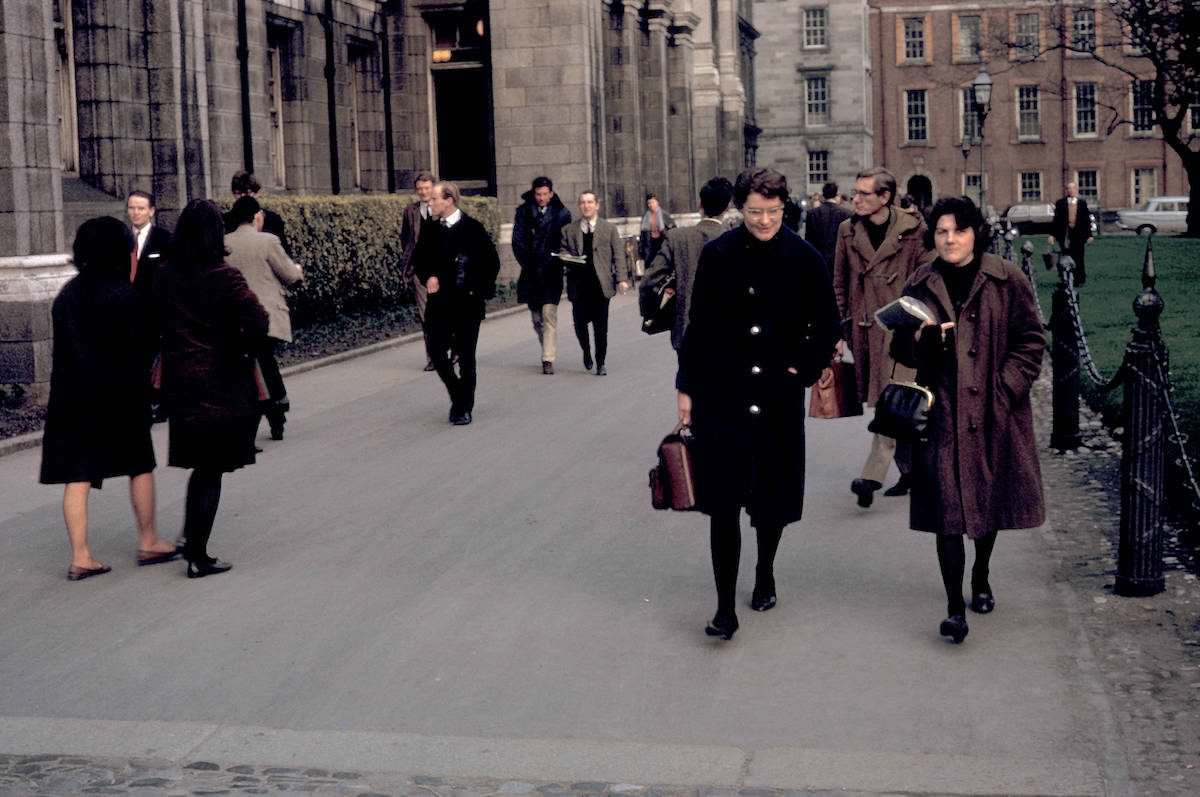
column 200, row 510
column 726, row 539
column 952, row 559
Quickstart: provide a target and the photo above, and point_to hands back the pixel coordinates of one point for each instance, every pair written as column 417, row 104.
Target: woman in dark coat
column 98, row 418
column 211, row 325
column 978, row 470
column 763, row 325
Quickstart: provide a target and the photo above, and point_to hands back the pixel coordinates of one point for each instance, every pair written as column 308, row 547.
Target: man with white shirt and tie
column 151, row 242
column 1073, row 229
column 592, row 284
column 457, row 261
column 416, row 215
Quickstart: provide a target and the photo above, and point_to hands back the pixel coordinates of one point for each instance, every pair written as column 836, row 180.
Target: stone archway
column 920, row 188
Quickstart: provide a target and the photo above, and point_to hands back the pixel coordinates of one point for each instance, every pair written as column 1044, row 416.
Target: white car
column 1160, row 214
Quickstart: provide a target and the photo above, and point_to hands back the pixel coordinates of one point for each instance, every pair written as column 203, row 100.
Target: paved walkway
column 499, row 603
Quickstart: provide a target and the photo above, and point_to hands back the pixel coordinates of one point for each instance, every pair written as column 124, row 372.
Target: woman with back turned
column 978, row 470
column 763, row 325
column 211, row 326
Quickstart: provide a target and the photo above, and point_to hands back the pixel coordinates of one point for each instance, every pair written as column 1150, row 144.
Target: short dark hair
column 146, row 195
column 199, row 240
column 829, row 190
column 883, row 179
column 244, row 182
column 542, row 182
column 102, row 248
column 715, row 196
column 766, row 182
column 650, row 195
column 424, row 177
column 243, row 210
column 966, row 216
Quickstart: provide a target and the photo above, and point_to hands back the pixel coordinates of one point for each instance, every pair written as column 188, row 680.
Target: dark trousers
column 275, row 407
column 725, row 538
column 596, row 313
column 453, row 323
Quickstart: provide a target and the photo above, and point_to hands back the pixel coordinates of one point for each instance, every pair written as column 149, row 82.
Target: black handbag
column 658, row 308
column 902, row 411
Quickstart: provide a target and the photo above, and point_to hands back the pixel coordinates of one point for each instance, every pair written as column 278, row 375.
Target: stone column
column 680, row 68
column 705, row 95
column 623, row 105
column 733, row 95
column 656, row 165
column 32, row 266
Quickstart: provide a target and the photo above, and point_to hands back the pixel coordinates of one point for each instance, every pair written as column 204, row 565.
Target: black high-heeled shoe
column 763, row 597
column 208, row 567
column 723, row 627
column 983, row 602
column 955, row 627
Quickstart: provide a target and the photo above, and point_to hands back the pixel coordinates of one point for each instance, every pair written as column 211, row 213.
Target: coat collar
column 901, row 224
column 990, row 267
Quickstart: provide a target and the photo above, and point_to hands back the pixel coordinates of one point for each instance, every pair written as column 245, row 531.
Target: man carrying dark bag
column 457, row 262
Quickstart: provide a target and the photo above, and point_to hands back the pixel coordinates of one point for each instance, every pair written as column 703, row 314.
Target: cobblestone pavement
column 1146, row 652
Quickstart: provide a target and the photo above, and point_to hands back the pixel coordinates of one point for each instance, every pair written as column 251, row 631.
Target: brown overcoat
column 978, row 471
column 865, row 280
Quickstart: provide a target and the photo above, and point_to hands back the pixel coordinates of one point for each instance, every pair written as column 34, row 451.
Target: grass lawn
column 1114, row 274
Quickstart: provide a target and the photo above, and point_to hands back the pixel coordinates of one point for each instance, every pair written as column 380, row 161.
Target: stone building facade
column 342, row 96
column 813, row 90
column 1050, row 112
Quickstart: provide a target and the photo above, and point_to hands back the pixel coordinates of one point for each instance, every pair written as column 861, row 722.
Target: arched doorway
column 920, row 188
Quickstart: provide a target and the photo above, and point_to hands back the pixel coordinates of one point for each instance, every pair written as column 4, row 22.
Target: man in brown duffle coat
column 878, row 249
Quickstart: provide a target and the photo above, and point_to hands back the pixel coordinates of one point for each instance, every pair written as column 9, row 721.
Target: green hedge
column 349, row 247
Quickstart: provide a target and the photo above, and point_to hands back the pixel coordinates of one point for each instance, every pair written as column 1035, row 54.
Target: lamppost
column 981, row 95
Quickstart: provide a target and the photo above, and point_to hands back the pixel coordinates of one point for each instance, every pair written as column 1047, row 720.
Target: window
column 1029, row 115
column 917, row 125
column 970, row 38
column 914, row 39
column 1083, row 30
column 817, row 100
column 1027, row 37
column 970, row 116
column 1088, row 181
column 1085, row 109
column 360, row 102
column 278, row 62
column 1143, row 106
column 816, row 27
column 818, row 167
column 1144, row 185
column 1031, row 186
column 68, row 121
column 973, row 186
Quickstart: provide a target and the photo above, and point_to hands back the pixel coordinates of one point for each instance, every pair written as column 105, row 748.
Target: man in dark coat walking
column 823, row 221
column 1073, row 229
column 457, row 261
column 537, row 227
column 763, row 326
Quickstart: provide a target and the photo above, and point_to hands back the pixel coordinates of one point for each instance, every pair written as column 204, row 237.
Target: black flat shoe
column 587, row 362
column 547, row 367
column 763, row 597
column 865, row 490
column 429, row 366
column 461, row 420
column 983, row 602
column 955, row 627
column 601, row 370
column 208, row 568
column 723, row 627
column 901, row 487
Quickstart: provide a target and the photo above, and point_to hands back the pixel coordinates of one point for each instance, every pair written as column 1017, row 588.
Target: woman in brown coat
column 211, row 325
column 978, row 470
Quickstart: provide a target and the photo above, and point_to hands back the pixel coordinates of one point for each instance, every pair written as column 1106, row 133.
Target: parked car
column 1160, row 214
column 1031, row 217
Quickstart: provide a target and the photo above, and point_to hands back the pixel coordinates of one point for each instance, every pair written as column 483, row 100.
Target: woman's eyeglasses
column 758, row 213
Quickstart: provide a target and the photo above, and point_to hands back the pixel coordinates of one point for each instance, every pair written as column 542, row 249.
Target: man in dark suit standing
column 245, row 184
column 416, row 216
column 458, row 263
column 823, row 222
column 592, row 284
column 1073, row 229
column 151, row 241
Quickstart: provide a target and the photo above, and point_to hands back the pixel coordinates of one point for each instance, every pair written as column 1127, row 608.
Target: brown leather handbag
column 673, row 479
column 835, row 395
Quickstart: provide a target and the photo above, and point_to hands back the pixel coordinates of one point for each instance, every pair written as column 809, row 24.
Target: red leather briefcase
column 673, row 479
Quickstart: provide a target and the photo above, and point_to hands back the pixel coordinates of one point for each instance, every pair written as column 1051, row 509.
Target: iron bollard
column 1027, row 262
column 1143, row 450
column 1064, row 362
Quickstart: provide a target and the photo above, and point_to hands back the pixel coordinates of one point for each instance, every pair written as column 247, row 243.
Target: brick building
column 813, row 90
column 1050, row 115
column 341, row 96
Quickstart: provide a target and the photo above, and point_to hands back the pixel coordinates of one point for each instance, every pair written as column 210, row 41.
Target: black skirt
column 73, row 452
column 221, row 445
